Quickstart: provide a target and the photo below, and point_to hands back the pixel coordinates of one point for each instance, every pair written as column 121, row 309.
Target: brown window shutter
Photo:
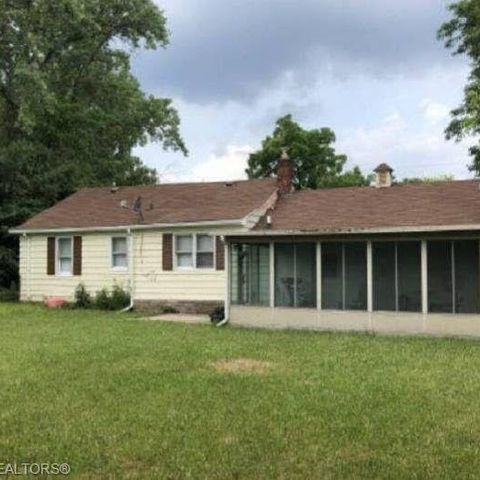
column 77, row 255
column 219, row 254
column 167, row 251
column 51, row 256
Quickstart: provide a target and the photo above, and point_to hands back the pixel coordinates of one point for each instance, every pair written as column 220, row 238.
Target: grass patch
column 116, row 396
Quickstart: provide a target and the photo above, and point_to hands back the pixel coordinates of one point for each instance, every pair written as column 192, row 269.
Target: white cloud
column 411, row 150
column 229, row 166
column 434, row 112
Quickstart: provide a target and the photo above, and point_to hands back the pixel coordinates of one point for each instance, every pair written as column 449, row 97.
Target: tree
column 462, row 34
column 317, row 165
column 70, row 109
column 435, row 179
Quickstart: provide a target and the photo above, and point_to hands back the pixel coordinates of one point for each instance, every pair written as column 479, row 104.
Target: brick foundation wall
column 157, row 307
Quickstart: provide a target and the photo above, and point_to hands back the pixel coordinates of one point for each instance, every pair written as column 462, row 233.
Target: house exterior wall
column 354, row 321
column 144, row 275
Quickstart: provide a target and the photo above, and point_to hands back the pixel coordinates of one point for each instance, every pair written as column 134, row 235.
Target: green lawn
column 114, row 395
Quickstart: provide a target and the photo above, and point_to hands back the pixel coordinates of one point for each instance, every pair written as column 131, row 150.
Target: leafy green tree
column 435, row 179
column 317, row 165
column 70, row 109
column 461, row 34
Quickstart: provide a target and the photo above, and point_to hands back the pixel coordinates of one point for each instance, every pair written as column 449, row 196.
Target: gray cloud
column 237, row 48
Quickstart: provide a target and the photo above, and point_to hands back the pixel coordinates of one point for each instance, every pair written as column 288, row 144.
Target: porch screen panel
column 250, row 274
column 261, row 272
column 284, row 275
column 295, row 275
column 332, row 276
column 466, row 276
column 355, row 258
column 305, row 267
column 440, row 276
column 384, row 281
column 409, row 266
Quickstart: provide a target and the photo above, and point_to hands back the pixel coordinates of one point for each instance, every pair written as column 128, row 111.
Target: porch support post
column 424, row 277
column 319, row 275
column 369, row 277
column 228, row 280
column 272, row 274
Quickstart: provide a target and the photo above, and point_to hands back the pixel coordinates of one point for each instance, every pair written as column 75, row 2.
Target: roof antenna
column 137, row 206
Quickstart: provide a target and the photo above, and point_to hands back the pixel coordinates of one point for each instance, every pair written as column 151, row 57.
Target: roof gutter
column 208, row 223
column 342, row 231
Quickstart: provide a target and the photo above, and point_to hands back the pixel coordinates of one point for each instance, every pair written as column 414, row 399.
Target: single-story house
column 387, row 257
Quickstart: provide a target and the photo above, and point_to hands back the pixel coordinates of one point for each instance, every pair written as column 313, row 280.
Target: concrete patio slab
column 182, row 318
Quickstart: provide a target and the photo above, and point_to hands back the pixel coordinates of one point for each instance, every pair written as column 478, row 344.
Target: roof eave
column 353, row 231
column 152, row 226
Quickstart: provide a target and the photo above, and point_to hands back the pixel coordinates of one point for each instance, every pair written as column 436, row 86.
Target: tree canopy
column 70, row 109
column 461, row 34
column 434, row 179
column 317, row 165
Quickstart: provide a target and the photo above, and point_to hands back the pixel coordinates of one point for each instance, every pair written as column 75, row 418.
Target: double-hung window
column 64, row 256
column 204, row 251
column 119, row 253
column 194, row 251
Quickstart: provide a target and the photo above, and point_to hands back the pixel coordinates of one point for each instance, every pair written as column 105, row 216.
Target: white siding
column 150, row 281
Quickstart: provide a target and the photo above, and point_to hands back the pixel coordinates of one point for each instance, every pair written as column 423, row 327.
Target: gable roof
column 161, row 204
column 409, row 206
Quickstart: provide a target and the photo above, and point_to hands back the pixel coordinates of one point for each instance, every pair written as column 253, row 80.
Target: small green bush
column 82, row 298
column 119, row 298
column 8, row 295
column 116, row 300
column 102, row 300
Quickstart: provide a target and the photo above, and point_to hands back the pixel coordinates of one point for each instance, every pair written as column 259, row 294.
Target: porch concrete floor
column 182, row 318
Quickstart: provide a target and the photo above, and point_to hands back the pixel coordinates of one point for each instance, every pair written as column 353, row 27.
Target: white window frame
column 58, row 272
column 116, row 268
column 194, row 252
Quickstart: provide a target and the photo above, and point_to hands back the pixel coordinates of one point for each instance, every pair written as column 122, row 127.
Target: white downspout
column 227, row 287
column 131, row 251
column 24, row 283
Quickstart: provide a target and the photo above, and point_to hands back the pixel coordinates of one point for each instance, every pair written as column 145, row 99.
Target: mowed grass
column 117, row 396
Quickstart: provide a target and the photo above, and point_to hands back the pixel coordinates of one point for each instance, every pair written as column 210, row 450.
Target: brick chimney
column 285, row 174
column 383, row 176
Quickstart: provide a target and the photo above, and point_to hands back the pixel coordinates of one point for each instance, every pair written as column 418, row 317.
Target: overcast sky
column 371, row 70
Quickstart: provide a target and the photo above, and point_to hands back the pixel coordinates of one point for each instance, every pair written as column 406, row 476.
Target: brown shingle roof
column 167, row 203
column 357, row 208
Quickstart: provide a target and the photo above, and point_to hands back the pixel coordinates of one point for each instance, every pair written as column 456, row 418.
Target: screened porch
column 407, row 275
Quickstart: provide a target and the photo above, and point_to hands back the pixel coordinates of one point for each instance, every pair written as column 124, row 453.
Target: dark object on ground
column 217, row 314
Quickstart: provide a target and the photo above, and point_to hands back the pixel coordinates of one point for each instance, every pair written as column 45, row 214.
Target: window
column 184, row 251
column 453, row 276
column 64, row 256
column 204, row 257
column 119, row 252
column 250, row 274
column 194, row 251
column 295, row 275
column 396, row 276
column 344, row 276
